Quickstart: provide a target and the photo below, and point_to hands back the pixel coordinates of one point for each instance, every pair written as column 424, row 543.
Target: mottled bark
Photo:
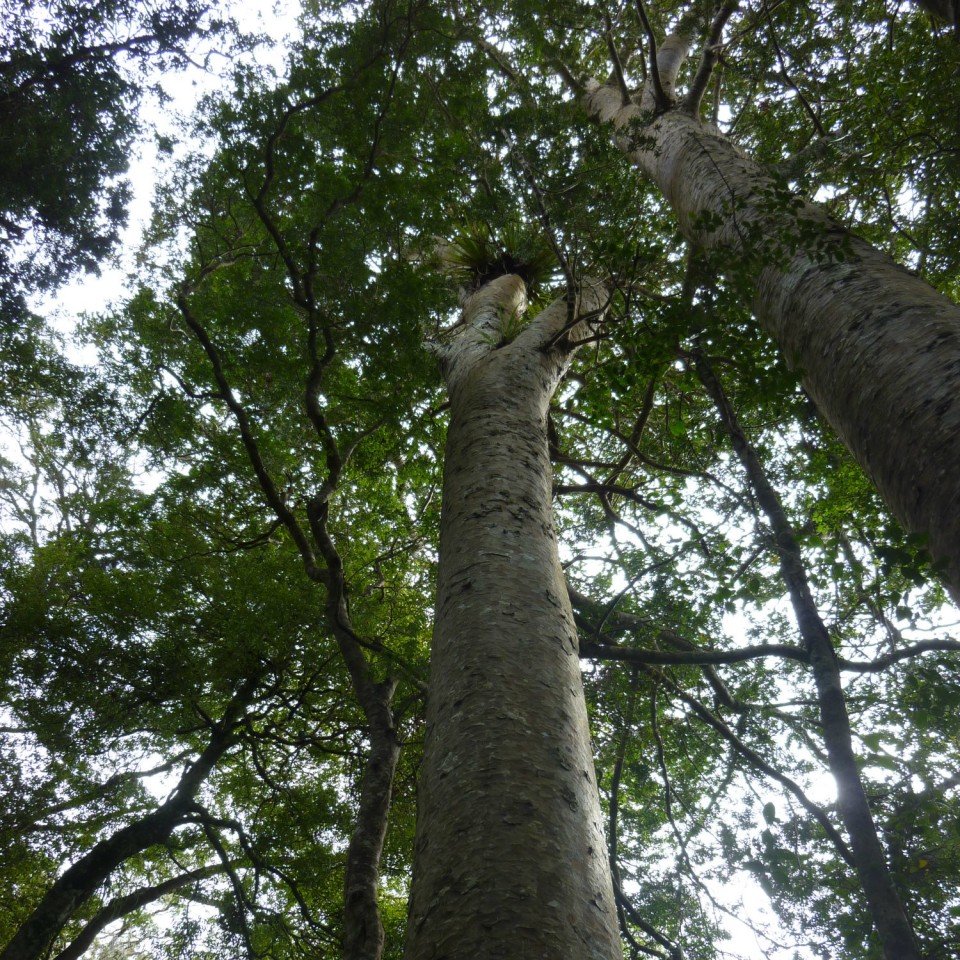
column 878, row 348
column 886, row 908
column 81, row 880
column 510, row 858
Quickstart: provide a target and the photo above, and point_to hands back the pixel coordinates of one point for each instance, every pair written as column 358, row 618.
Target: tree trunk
column 946, row 10
column 878, row 348
column 363, row 935
column 510, row 858
column 886, row 908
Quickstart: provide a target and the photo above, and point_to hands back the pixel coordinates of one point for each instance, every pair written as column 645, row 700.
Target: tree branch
column 600, row 651
column 660, row 98
column 121, row 906
column 269, row 488
column 709, row 58
column 615, row 61
column 881, row 663
column 712, row 720
column 78, row 883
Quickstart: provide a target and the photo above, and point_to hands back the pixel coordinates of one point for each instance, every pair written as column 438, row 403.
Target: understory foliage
column 263, row 431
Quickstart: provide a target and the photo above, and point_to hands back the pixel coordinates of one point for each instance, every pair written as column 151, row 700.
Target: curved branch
column 616, row 61
column 881, row 663
column 660, row 98
column 121, row 906
column 754, row 758
column 711, row 54
column 79, row 882
column 628, row 622
column 269, row 488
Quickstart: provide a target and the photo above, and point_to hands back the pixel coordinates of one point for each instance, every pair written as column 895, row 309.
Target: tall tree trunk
column 886, row 908
column 510, row 857
column 878, row 348
column 363, row 935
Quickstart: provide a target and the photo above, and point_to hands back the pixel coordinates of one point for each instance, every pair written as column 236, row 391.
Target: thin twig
column 712, row 720
column 786, row 75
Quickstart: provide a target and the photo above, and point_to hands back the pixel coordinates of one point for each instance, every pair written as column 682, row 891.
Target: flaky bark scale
column 878, row 348
column 510, row 856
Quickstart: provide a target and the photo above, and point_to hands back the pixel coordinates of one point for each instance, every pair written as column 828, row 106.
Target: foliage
column 274, row 341
column 71, row 79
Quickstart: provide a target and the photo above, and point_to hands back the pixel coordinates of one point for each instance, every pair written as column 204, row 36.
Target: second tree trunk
column 510, row 857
